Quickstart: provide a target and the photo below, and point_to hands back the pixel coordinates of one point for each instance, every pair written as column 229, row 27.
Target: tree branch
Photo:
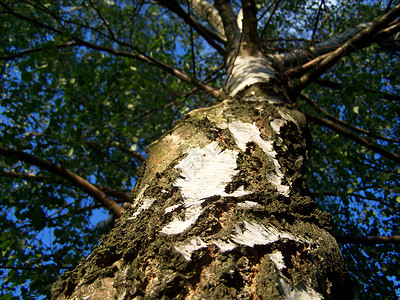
column 24, row 175
column 15, row 55
column 316, row 21
column 75, row 179
column 250, row 39
column 142, row 57
column 371, row 240
column 364, row 38
column 139, row 56
column 341, row 122
column 346, row 194
column 231, row 28
column 102, row 18
column 135, row 154
column 41, row 268
column 210, row 14
column 192, row 44
column 385, row 95
column 301, row 56
column 33, row 21
column 210, row 36
column 41, row 178
column 300, row 70
column 114, row 193
column 358, row 139
column 270, row 17
column 338, row 86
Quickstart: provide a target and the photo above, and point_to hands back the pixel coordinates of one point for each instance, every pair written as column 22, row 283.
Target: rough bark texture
column 221, row 212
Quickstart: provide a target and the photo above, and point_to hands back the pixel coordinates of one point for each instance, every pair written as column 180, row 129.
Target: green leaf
column 70, row 151
column 26, row 76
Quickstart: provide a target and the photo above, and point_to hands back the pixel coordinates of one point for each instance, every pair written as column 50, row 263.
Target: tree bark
column 221, row 210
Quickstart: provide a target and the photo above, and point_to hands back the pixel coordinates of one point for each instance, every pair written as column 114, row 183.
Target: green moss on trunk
column 226, row 251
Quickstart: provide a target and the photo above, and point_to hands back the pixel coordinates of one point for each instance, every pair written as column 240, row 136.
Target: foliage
column 362, row 186
column 89, row 108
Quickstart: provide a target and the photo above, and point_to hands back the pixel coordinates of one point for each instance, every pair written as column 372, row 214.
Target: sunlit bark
column 221, row 210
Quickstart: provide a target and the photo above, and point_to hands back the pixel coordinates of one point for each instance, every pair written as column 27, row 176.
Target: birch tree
column 222, row 207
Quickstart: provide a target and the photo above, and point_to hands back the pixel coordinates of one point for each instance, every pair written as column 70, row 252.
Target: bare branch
column 270, row 18
column 301, row 56
column 39, row 268
column 209, row 13
column 140, row 157
column 40, row 178
column 370, row 240
column 114, row 193
column 230, row 26
column 358, row 139
column 15, row 55
column 316, row 21
column 250, row 40
column 208, row 35
column 192, row 44
column 24, row 175
column 102, row 18
column 139, row 56
column 341, row 122
column 75, row 179
column 364, row 38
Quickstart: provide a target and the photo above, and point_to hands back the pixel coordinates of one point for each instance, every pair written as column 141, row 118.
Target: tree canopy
column 87, row 85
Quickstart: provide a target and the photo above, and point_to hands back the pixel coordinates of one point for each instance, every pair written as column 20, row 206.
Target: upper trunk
column 221, row 210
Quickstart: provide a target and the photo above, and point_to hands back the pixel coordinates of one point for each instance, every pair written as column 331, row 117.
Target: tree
column 221, row 207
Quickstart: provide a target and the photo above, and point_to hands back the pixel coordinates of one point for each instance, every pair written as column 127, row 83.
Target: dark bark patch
column 253, row 165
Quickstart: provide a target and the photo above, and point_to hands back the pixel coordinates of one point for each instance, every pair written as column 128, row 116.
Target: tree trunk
column 221, row 210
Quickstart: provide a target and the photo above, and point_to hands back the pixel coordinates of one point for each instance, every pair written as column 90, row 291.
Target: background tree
column 86, row 85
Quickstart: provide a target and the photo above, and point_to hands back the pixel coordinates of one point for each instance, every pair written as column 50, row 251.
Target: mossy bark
column 221, row 212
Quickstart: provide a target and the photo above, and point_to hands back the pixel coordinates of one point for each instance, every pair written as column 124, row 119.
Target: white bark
column 245, row 71
column 245, row 133
column 301, row 55
column 208, row 13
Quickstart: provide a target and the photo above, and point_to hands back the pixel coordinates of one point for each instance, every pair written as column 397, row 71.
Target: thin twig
column 369, row 240
column 102, row 18
column 15, row 55
column 316, row 21
column 341, row 122
column 356, row 138
column 269, row 19
column 73, row 178
column 365, row 37
column 41, row 268
column 139, row 56
column 191, row 41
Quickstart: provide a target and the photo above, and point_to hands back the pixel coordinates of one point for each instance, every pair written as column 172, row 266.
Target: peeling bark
column 208, row 13
column 221, row 212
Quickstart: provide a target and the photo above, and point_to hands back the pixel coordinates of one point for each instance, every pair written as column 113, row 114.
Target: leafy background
column 94, row 111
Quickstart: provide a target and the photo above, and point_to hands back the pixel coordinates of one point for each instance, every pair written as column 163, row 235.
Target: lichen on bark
column 221, row 193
